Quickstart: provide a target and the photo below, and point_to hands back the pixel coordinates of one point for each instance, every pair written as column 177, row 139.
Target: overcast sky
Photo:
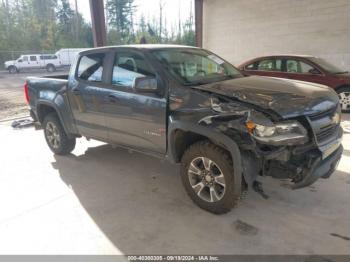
column 148, row 8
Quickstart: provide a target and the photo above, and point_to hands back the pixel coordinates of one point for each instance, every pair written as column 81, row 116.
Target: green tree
column 120, row 19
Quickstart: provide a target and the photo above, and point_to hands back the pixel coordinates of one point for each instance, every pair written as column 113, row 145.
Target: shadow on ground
column 141, row 206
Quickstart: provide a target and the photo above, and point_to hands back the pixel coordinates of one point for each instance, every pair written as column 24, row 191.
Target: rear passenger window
column 270, row 65
column 32, row 58
column 296, row 66
column 91, row 67
column 127, row 67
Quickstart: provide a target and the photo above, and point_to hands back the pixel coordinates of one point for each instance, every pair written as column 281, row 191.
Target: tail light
column 26, row 92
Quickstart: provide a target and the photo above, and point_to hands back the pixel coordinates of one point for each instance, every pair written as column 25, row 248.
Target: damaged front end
column 301, row 149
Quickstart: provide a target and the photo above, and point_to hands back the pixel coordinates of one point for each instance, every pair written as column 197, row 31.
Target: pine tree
column 120, row 18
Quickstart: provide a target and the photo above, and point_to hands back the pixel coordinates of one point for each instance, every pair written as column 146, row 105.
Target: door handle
column 76, row 91
column 112, row 98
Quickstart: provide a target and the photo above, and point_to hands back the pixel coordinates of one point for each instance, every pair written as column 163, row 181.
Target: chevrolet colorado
column 192, row 107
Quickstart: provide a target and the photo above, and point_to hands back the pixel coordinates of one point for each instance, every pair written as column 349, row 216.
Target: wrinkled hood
column 288, row 98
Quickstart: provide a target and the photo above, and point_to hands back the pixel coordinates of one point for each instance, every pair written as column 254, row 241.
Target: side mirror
column 314, row 71
column 146, row 84
column 20, row 61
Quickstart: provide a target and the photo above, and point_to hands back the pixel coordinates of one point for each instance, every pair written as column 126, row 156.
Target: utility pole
column 161, row 5
column 77, row 22
column 198, row 16
column 98, row 22
column 179, row 18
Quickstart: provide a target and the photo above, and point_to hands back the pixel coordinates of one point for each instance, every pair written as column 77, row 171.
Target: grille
column 326, row 133
column 323, row 125
column 329, row 113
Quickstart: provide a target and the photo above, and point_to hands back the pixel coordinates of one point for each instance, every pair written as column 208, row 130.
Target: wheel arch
column 182, row 135
column 44, row 108
column 12, row 66
column 342, row 86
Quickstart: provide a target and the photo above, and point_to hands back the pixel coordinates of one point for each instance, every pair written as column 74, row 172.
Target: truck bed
column 45, row 88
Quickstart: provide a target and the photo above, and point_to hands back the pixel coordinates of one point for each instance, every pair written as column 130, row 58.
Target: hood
column 11, row 62
column 287, row 98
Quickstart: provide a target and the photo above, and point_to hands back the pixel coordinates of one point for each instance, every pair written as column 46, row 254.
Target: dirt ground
column 12, row 99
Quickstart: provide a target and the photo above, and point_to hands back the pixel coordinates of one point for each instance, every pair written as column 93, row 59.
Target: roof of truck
column 139, row 46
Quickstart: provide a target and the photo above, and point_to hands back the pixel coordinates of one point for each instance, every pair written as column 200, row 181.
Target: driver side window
column 127, row 67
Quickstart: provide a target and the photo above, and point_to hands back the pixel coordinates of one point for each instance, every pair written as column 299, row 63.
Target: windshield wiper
column 342, row 72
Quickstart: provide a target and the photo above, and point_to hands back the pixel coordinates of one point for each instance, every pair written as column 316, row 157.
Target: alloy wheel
column 53, row 135
column 207, row 179
column 344, row 98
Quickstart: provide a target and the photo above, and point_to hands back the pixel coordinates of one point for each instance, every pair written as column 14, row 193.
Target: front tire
column 56, row 137
column 12, row 70
column 208, row 177
column 344, row 98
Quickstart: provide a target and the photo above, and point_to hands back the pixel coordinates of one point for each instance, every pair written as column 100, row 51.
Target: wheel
column 50, row 68
column 208, row 177
column 344, row 98
column 12, row 70
column 56, row 137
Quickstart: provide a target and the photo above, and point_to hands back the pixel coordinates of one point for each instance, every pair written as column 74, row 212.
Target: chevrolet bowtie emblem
column 336, row 118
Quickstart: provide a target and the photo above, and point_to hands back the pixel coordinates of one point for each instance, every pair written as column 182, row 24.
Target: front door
column 134, row 119
column 23, row 63
column 87, row 95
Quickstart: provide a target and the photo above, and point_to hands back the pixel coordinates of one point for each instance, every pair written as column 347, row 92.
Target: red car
column 304, row 68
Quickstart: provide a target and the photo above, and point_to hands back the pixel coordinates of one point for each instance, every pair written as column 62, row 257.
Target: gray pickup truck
column 192, row 107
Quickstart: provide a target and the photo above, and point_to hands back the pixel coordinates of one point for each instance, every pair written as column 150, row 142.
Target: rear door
column 135, row 119
column 87, row 95
column 34, row 61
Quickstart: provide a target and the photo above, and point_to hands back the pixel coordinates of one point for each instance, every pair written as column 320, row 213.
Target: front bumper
column 303, row 165
column 321, row 168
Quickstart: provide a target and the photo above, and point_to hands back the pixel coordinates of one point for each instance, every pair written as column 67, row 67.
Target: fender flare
column 55, row 107
column 217, row 138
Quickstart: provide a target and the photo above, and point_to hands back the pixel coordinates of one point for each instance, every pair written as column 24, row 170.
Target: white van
column 67, row 55
column 47, row 61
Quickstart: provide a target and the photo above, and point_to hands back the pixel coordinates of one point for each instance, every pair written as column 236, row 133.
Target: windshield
column 327, row 66
column 195, row 66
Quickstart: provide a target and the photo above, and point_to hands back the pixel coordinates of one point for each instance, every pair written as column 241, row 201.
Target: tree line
column 39, row 25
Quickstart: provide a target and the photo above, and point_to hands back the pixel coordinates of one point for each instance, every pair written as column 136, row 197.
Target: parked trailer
column 67, row 56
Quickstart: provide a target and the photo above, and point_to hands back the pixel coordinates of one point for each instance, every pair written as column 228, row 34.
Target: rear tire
column 56, row 137
column 344, row 98
column 208, row 177
column 50, row 68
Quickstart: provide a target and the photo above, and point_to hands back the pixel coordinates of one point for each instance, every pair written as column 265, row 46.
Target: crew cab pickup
column 192, row 107
column 45, row 61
